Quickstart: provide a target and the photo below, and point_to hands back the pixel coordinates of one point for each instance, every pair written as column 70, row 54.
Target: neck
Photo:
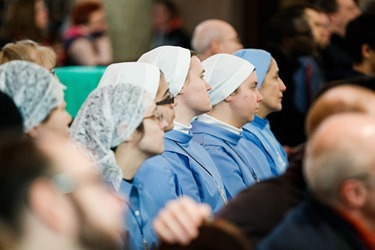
column 223, row 114
column 338, row 31
column 129, row 158
column 363, row 68
column 184, row 115
column 263, row 111
column 359, row 219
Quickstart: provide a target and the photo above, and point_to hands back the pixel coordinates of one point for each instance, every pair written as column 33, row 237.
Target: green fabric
column 80, row 81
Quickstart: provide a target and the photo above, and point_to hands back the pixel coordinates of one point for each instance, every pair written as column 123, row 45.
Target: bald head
column 342, row 148
column 215, row 36
column 340, row 99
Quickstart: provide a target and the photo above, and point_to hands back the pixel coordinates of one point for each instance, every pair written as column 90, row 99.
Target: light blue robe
column 159, row 180
column 139, row 217
column 259, row 132
column 240, row 163
column 196, row 172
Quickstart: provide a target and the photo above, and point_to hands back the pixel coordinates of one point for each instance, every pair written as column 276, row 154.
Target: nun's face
column 152, row 141
column 194, row 94
column 245, row 100
column 272, row 91
column 57, row 122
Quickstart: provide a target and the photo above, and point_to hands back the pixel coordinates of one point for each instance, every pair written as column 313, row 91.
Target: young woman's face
column 272, row 91
column 152, row 140
column 195, row 90
column 41, row 15
column 245, row 101
column 97, row 21
column 57, row 123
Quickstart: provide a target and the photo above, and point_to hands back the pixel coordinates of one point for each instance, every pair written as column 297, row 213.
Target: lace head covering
column 174, row 61
column 107, row 118
column 225, row 73
column 142, row 74
column 34, row 90
column 261, row 59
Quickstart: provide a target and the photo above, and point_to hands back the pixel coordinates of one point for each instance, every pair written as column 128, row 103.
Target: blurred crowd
column 200, row 143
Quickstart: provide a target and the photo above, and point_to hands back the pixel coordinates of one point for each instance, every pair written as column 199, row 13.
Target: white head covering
column 225, row 73
column 136, row 73
column 34, row 90
column 107, row 118
column 174, row 61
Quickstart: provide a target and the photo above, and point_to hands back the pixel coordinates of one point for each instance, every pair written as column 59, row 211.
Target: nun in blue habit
column 197, row 175
column 235, row 99
column 110, row 118
column 163, row 187
column 271, row 87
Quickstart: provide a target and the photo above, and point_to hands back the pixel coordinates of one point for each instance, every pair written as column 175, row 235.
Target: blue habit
column 240, row 162
column 196, row 172
column 259, row 132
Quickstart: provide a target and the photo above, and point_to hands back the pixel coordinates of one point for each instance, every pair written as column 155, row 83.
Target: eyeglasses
column 156, row 116
column 168, row 100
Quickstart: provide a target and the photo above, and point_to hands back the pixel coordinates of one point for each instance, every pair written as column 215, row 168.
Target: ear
column 45, row 203
column 215, row 46
column 366, row 51
column 181, row 91
column 229, row 98
column 33, row 133
column 353, row 193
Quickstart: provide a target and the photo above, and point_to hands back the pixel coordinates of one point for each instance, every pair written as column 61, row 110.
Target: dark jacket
column 313, row 225
column 258, row 209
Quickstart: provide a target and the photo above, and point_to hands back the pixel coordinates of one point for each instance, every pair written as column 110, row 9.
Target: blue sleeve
column 180, row 166
column 229, row 170
column 159, row 181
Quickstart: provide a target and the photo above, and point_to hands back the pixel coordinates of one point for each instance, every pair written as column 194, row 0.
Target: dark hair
column 328, row 6
column 283, row 24
column 82, row 12
column 19, row 21
column 10, row 116
column 170, row 6
column 21, row 163
column 358, row 33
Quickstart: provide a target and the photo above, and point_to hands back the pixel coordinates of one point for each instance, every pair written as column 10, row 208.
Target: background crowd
column 200, row 142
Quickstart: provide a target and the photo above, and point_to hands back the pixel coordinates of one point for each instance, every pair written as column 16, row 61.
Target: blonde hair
column 28, row 50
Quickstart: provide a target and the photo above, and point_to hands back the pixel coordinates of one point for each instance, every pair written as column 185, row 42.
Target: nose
column 173, row 104
column 259, row 96
column 68, row 117
column 282, row 86
column 208, row 86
